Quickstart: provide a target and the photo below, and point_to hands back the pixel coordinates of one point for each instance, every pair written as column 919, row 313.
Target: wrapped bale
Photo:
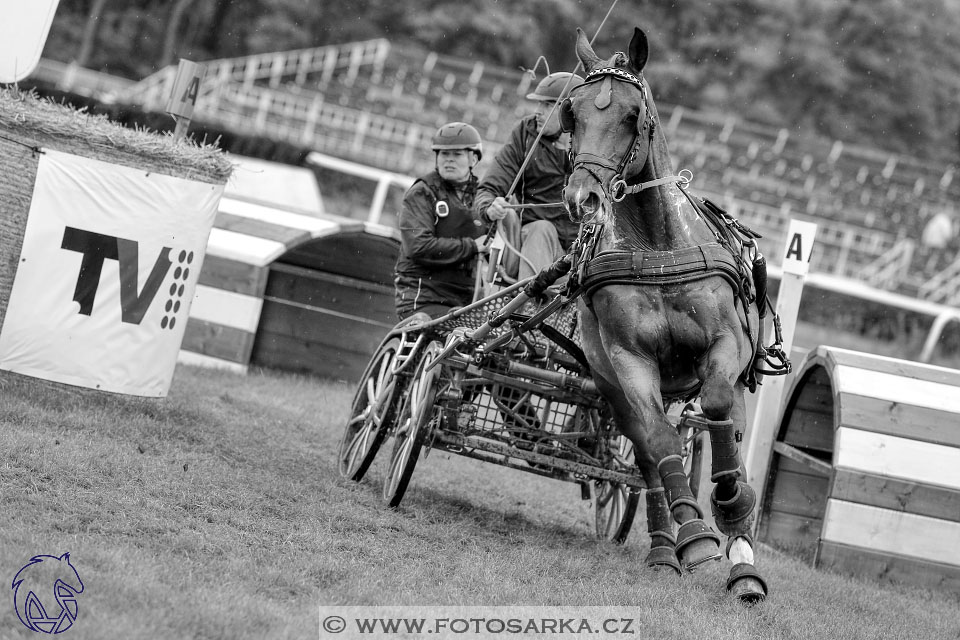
column 103, row 235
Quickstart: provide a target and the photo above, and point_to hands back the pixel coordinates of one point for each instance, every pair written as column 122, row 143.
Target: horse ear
column 585, row 52
column 639, row 50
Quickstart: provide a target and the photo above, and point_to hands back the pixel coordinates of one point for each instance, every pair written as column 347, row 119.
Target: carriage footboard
column 542, row 464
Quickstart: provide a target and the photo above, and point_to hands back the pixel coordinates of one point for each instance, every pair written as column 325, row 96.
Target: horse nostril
column 591, row 203
column 582, row 202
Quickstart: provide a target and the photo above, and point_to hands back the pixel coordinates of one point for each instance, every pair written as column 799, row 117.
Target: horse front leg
column 733, row 501
column 663, row 541
column 658, row 452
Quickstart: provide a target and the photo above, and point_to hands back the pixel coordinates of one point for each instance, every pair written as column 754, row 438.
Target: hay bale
column 29, row 123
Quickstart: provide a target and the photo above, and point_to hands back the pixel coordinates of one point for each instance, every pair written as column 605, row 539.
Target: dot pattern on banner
column 180, row 276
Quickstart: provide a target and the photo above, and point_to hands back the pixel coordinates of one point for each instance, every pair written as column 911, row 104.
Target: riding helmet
column 551, row 87
column 458, row 135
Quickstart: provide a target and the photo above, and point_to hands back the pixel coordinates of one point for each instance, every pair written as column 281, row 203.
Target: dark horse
column 669, row 310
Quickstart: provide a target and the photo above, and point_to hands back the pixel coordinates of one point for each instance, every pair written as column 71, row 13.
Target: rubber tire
column 371, row 415
column 413, row 426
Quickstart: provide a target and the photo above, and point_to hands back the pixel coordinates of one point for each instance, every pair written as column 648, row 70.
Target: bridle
column 617, row 188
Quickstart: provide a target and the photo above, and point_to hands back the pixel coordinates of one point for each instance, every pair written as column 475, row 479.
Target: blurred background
column 841, row 112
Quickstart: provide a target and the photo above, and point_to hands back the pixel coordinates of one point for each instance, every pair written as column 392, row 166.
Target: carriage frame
column 502, row 381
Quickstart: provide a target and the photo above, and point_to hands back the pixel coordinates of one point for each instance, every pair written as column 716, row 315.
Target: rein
column 619, row 189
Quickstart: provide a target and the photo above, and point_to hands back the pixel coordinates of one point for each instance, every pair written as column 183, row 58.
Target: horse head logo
column 45, row 593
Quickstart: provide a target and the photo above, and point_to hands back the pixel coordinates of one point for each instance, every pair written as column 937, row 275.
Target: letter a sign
column 799, row 247
column 186, row 88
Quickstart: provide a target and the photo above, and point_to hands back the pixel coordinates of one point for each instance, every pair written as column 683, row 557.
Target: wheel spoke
column 355, row 419
column 350, row 457
column 354, row 451
column 409, row 433
column 371, row 391
column 615, row 503
column 604, row 495
column 400, row 457
column 371, row 410
column 385, row 379
column 616, row 511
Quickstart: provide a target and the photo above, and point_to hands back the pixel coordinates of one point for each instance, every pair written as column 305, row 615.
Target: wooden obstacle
column 291, row 291
column 865, row 475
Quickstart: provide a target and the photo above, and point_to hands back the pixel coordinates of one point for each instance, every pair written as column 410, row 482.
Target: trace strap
column 619, row 189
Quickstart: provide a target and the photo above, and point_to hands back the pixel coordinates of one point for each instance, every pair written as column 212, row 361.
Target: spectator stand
column 377, row 103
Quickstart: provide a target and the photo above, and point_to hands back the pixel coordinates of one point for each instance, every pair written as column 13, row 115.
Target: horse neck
column 659, row 218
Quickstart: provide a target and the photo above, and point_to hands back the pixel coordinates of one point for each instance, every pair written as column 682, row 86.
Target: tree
column 170, row 33
column 90, row 32
column 882, row 72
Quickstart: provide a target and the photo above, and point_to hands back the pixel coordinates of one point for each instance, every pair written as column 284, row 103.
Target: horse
column 670, row 309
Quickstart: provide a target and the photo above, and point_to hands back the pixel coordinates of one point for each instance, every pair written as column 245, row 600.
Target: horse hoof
column 663, row 558
column 746, row 584
column 696, row 544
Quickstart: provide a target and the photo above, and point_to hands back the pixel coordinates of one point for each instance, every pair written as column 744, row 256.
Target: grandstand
column 378, row 103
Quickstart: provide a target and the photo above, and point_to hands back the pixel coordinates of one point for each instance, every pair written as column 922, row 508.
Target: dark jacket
column 437, row 253
column 542, row 181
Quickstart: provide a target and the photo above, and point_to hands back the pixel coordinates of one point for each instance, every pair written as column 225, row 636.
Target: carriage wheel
column 615, row 503
column 372, row 410
column 412, row 426
column 692, row 452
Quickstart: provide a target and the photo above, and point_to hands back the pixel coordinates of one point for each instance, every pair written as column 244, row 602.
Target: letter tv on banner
column 108, row 269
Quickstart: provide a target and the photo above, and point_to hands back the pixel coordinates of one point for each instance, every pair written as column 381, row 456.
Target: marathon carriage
column 502, row 380
column 671, row 293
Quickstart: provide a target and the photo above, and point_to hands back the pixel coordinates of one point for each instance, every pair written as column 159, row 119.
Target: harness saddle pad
column 660, row 267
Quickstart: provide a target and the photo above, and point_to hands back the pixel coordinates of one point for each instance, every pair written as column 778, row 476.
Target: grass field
column 218, row 513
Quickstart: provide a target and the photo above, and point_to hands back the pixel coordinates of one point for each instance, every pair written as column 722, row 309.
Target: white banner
column 110, row 261
column 23, row 32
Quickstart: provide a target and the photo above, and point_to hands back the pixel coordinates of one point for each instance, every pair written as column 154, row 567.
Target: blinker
column 566, row 116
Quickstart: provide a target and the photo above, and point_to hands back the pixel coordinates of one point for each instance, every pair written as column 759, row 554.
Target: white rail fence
column 269, row 95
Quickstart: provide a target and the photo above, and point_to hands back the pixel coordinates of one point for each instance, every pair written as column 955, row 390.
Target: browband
column 619, row 74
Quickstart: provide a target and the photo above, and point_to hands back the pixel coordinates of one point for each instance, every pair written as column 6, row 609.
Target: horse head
column 612, row 119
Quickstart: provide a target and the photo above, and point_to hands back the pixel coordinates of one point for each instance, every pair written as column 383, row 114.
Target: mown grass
column 218, row 513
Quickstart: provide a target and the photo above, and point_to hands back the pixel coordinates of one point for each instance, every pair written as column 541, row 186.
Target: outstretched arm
column 493, row 187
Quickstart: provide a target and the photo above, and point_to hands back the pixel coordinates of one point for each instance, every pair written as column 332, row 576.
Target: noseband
column 617, row 188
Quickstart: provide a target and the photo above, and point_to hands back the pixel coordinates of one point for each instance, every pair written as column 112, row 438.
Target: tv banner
column 108, row 268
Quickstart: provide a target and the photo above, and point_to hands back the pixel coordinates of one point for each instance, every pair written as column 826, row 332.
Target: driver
column 440, row 236
column 541, row 234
